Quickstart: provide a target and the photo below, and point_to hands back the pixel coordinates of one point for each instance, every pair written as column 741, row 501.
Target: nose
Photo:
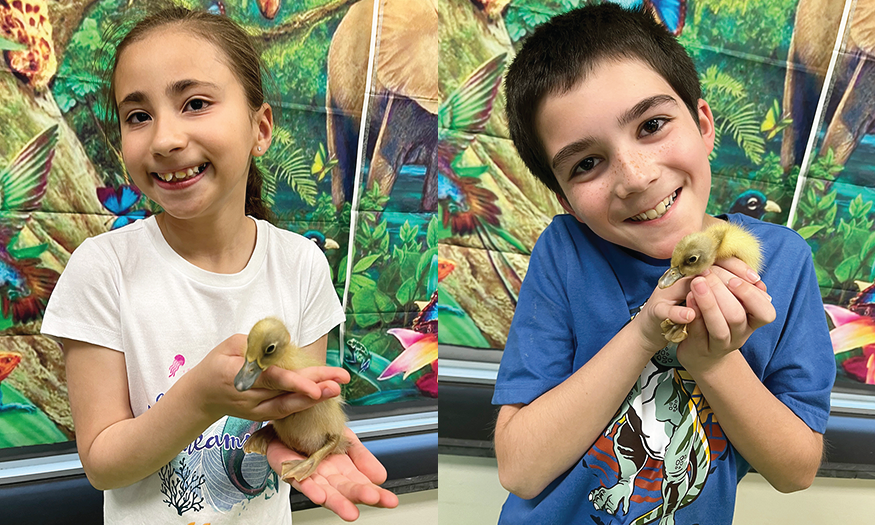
column 168, row 136
column 633, row 173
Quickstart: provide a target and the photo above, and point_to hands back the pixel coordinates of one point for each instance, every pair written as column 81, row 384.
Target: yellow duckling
column 315, row 432
column 698, row 251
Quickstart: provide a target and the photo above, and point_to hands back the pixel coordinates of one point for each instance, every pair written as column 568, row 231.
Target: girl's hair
column 243, row 59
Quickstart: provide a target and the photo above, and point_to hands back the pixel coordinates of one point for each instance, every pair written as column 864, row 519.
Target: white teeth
column 657, row 212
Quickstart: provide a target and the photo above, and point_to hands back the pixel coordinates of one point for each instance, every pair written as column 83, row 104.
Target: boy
column 601, row 421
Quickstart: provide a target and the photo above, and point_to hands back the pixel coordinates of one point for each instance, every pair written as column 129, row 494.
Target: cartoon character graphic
column 662, row 428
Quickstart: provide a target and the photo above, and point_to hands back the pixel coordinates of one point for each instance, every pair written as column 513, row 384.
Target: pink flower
column 419, row 350
column 853, row 331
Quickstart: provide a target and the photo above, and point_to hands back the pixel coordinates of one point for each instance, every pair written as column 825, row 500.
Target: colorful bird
column 466, row 207
column 26, row 22
column 8, row 362
column 315, row 432
column 24, row 286
column 754, row 204
column 697, row 251
column 323, row 242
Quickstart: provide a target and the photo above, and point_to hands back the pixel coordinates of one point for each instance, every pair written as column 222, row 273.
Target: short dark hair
column 562, row 51
column 242, row 58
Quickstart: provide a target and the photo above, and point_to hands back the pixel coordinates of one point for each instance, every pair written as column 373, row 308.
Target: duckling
column 315, row 432
column 698, row 251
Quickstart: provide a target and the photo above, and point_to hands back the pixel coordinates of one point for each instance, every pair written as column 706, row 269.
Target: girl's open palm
column 342, row 480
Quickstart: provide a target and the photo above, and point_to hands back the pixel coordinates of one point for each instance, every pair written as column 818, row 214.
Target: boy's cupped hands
column 729, row 302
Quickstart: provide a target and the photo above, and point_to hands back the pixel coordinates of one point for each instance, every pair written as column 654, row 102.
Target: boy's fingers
column 713, row 318
column 757, row 304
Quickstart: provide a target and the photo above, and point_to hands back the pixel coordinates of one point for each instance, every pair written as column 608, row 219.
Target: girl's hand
column 341, row 481
column 275, row 394
column 728, row 310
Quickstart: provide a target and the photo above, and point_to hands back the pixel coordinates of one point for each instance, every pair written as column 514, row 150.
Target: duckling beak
column 247, row 375
column 670, row 277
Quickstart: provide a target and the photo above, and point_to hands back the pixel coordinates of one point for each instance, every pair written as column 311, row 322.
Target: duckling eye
column 692, row 259
column 270, row 348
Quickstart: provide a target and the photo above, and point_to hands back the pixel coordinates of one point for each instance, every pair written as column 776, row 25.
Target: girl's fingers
column 364, row 460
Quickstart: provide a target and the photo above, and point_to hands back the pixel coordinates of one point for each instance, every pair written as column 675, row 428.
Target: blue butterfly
column 671, row 13
column 120, row 201
column 216, row 7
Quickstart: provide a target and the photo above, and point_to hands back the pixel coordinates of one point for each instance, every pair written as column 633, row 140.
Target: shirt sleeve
column 801, row 370
column 539, row 353
column 84, row 304
column 322, row 309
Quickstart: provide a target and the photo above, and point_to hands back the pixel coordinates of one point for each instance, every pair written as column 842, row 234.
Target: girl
column 152, row 316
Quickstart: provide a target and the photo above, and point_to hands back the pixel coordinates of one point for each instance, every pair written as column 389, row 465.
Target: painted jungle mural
column 365, row 194
column 794, row 146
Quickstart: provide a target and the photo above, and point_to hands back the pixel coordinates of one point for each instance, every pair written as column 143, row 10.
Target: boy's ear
column 567, row 207
column 264, row 127
column 706, row 124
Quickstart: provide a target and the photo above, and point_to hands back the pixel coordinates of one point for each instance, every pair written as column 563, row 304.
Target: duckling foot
column 674, row 333
column 259, row 441
column 301, row 469
column 298, row 469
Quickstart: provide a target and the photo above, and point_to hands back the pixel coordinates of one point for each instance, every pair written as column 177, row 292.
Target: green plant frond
column 290, row 165
column 716, row 81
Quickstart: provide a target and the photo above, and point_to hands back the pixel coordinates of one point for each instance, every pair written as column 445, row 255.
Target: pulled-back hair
column 563, row 51
column 242, row 58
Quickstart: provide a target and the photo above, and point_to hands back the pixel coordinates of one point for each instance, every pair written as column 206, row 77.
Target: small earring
column 259, row 148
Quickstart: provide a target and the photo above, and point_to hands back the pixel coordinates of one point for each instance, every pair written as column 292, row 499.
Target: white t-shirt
column 127, row 290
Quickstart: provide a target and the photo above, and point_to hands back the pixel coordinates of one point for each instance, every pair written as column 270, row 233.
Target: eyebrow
column 174, row 89
column 632, row 114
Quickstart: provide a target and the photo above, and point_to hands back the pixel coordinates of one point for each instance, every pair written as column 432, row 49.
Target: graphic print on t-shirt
column 655, row 455
column 213, row 471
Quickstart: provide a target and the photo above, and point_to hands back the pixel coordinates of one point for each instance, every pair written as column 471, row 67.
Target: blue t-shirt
column 665, row 442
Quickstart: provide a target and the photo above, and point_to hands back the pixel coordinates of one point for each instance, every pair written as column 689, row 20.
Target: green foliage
column 386, row 277
column 22, row 428
column 843, row 243
column 524, row 15
column 286, row 162
column 733, row 114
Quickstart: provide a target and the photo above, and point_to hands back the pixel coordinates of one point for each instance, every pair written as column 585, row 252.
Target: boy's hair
column 243, row 59
column 561, row 52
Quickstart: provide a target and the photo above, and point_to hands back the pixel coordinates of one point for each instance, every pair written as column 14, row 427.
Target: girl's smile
column 188, row 132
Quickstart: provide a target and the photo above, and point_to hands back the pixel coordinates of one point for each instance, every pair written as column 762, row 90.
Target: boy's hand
column 728, row 310
column 663, row 303
column 341, row 481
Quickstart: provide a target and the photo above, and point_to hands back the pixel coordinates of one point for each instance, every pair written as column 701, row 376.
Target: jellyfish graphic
column 178, row 361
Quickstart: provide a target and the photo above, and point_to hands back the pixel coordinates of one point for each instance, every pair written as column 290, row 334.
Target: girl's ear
column 264, row 128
